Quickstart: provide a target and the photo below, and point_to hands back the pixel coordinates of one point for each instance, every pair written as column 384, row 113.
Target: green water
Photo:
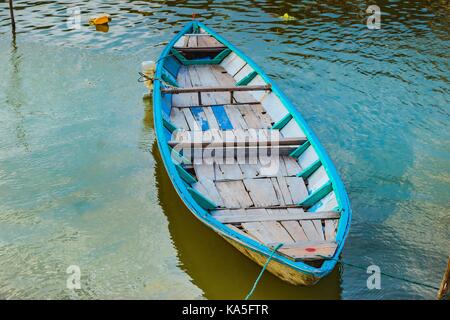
column 82, row 183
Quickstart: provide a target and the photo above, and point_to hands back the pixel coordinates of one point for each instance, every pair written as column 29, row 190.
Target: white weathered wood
column 310, row 230
column 239, row 216
column 234, row 65
column 207, row 187
column 328, row 202
column 258, row 80
column 178, row 119
column 318, row 225
column 278, row 232
column 235, row 117
column 292, row 129
column 204, row 172
column 330, row 229
column 234, row 194
column 297, row 188
column 291, row 165
column 307, row 250
column 245, row 71
column 282, row 183
column 193, row 125
column 317, row 179
column 225, row 62
column 180, row 42
column 259, row 231
column 308, row 157
column 274, row 107
column 262, row 192
column 228, row 172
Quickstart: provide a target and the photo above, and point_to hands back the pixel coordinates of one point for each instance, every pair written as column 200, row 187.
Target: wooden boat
column 205, row 87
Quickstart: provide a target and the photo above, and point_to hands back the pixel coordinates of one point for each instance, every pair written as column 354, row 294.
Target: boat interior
column 210, row 89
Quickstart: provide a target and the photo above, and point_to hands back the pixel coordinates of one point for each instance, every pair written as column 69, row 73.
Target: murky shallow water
column 81, row 180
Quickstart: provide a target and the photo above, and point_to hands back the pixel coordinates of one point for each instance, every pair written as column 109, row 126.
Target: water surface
column 82, row 182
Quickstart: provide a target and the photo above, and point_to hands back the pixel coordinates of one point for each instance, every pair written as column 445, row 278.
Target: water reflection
column 15, row 94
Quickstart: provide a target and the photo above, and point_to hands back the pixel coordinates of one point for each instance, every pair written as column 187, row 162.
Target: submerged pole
column 11, row 12
column 444, row 289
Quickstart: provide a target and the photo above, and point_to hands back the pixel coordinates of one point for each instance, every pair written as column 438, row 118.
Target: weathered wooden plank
column 291, row 165
column 278, row 191
column 204, row 171
column 297, row 188
column 262, row 192
column 178, row 119
column 200, row 118
column 307, row 250
column 330, row 229
column 259, row 231
column 278, row 232
column 200, row 88
column 239, row 216
column 235, row 117
column 282, row 183
column 193, row 125
column 266, row 121
column 210, row 117
column 208, row 188
column 249, row 116
column 234, row 194
column 192, row 42
column 318, row 225
column 241, row 232
column 228, row 172
column 310, row 230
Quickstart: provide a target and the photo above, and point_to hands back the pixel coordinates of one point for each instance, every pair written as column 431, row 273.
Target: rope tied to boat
column 262, row 271
column 382, row 273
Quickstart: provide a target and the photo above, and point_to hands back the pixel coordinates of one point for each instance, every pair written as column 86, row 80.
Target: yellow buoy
column 148, row 69
column 287, row 17
column 100, row 19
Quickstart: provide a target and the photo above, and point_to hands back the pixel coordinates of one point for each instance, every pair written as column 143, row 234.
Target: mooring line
column 383, row 273
column 262, row 271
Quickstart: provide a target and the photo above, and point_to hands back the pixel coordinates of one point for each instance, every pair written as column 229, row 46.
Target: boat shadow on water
column 215, row 266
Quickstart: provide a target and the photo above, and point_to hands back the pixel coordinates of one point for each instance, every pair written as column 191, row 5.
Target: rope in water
column 343, row 263
column 262, row 271
column 383, row 273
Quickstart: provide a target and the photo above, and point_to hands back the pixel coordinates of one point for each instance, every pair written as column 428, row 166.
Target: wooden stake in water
column 445, row 284
column 11, row 12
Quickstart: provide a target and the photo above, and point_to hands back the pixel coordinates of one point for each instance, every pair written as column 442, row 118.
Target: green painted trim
column 186, row 176
column 202, row 201
column 195, row 27
column 216, row 60
column 169, row 126
column 245, row 81
column 317, row 195
column 179, row 157
column 299, row 151
column 169, row 79
column 308, row 171
column 282, row 122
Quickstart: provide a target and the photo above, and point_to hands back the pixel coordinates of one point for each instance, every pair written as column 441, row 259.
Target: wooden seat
column 282, row 141
column 240, row 216
column 216, row 89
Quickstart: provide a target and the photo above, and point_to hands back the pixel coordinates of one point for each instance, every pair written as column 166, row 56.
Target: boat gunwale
column 202, row 214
